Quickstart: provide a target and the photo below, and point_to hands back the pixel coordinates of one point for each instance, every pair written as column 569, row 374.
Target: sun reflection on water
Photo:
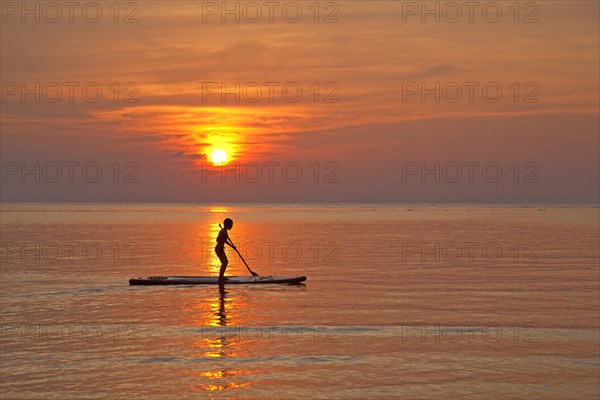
column 219, row 210
column 218, row 343
column 213, row 261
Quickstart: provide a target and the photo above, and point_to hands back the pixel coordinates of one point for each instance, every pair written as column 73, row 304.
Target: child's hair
column 227, row 221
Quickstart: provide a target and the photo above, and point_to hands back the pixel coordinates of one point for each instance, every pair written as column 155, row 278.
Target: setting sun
column 218, row 156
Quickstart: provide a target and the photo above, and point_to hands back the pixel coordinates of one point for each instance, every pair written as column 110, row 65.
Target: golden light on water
column 231, row 385
column 214, row 264
column 219, row 344
column 219, row 210
column 218, row 319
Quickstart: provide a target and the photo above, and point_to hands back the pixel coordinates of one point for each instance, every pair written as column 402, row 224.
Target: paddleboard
column 213, row 280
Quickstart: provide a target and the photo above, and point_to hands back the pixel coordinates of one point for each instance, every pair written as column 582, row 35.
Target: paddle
column 236, row 250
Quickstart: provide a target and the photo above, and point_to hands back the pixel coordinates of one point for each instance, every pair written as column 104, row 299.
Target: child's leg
column 224, row 263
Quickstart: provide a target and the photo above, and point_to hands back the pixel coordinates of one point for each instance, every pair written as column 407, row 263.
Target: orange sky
column 365, row 63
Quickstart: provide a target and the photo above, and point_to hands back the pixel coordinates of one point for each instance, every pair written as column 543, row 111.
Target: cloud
column 369, row 55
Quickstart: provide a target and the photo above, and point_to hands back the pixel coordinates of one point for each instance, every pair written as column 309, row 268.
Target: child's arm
column 230, row 243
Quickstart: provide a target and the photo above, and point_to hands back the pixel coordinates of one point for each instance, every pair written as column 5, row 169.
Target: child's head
column 228, row 223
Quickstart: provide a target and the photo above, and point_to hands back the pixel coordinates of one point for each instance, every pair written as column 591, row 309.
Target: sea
column 401, row 301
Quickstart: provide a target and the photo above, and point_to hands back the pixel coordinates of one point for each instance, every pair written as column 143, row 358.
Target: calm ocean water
column 401, row 301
